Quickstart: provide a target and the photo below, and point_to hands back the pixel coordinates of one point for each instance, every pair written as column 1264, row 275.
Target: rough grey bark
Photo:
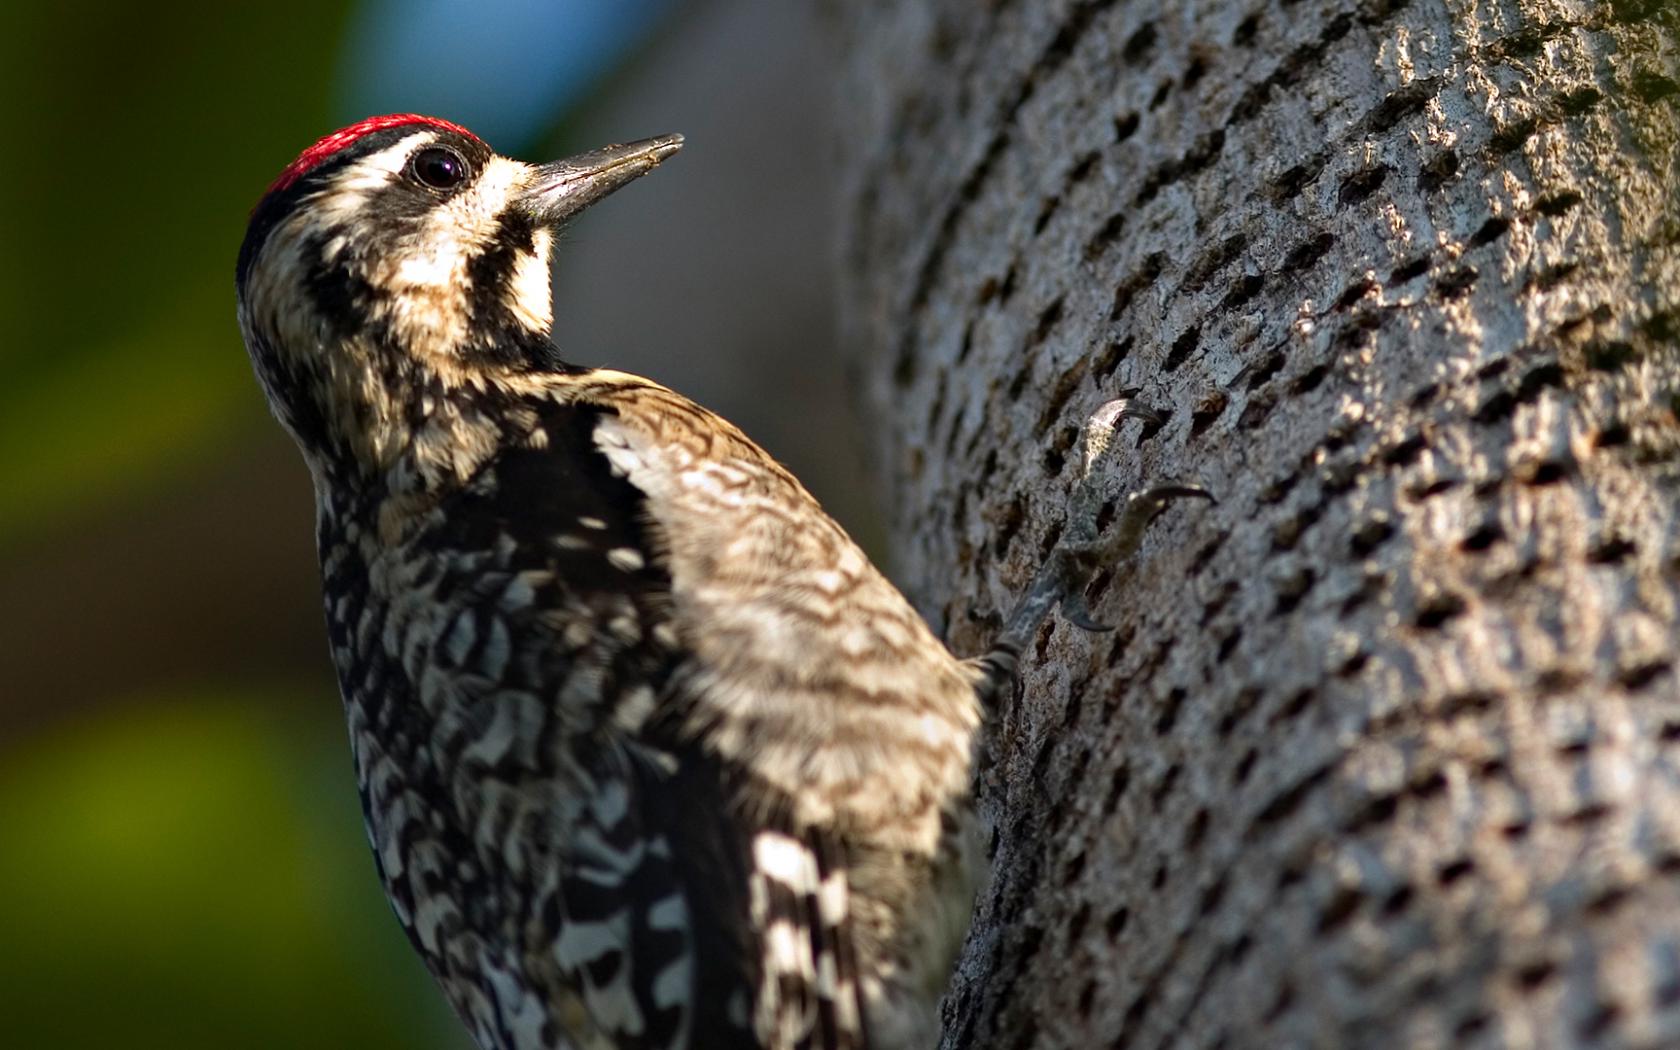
column 1386, row 748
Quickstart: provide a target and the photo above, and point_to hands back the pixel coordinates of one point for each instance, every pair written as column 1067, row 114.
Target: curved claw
column 1161, row 495
column 1122, row 542
column 1125, row 408
column 1101, row 425
column 1076, row 612
column 1085, row 543
column 1110, row 414
column 1142, row 506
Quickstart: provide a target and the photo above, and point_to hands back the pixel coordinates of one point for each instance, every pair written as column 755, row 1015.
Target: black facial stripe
column 493, row 268
column 492, row 273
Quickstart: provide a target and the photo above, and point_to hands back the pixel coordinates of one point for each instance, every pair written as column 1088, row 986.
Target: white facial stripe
column 530, row 295
column 467, row 223
column 349, row 188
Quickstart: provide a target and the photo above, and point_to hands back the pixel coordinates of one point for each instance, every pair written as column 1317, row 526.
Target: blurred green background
column 181, row 855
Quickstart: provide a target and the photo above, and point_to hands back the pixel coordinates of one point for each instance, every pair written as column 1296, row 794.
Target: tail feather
column 996, row 674
column 809, row 996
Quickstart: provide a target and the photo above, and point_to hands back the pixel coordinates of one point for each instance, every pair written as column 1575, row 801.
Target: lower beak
column 562, row 189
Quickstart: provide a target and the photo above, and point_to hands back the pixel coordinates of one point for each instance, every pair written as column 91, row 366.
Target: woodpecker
column 649, row 754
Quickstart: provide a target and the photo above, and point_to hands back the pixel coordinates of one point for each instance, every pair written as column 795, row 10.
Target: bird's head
column 400, row 261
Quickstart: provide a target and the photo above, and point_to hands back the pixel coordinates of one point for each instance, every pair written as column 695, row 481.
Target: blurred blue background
column 182, row 862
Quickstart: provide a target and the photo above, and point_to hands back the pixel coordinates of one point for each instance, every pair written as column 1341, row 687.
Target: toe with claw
column 1085, row 547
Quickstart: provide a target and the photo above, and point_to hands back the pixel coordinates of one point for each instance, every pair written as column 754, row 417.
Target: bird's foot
column 1090, row 542
column 1119, row 545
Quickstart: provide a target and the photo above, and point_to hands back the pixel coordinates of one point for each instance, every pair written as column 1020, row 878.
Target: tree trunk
column 1385, row 750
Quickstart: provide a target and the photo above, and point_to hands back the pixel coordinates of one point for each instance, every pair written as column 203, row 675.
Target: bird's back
column 647, row 747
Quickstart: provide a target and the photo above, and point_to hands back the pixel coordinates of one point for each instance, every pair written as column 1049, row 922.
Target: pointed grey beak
column 566, row 187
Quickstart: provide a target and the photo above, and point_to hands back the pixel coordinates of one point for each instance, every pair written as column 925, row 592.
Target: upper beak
column 566, row 187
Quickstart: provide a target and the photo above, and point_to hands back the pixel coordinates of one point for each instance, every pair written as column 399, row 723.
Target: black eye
column 439, row 167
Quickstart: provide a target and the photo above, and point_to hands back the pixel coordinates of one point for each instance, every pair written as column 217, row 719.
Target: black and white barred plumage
column 650, row 755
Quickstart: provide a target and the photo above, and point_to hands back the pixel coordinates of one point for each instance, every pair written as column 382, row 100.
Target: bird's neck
column 419, row 438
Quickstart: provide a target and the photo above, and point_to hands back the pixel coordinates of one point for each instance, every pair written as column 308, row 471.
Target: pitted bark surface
column 1385, row 749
